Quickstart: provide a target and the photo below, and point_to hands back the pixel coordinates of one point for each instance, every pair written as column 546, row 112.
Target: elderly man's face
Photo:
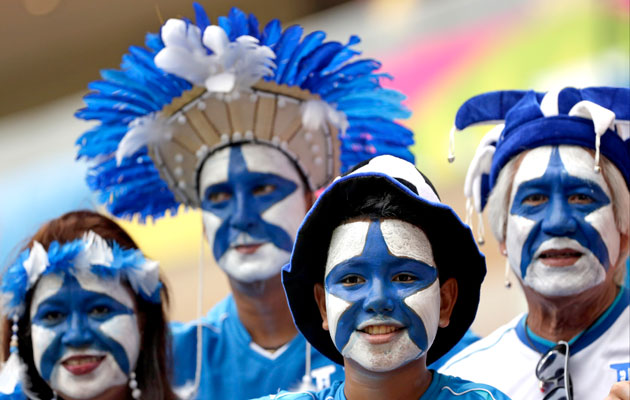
column 253, row 202
column 382, row 294
column 561, row 235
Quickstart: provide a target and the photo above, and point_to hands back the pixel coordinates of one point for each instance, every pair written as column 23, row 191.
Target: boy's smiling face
column 382, row 294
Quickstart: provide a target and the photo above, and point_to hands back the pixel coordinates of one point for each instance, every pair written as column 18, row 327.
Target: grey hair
column 499, row 203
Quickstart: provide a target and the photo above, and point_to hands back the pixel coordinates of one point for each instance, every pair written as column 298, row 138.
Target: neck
column 263, row 310
column 562, row 318
column 408, row 382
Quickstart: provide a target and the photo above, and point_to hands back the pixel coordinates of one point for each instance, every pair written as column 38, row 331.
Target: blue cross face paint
column 253, row 202
column 382, row 293
column 561, row 235
column 85, row 333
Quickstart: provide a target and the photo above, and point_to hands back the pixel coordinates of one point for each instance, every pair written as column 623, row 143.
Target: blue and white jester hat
column 198, row 87
column 596, row 118
column 454, row 249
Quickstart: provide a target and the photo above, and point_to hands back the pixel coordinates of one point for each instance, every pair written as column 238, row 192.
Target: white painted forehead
column 49, row 285
column 398, row 168
column 402, row 238
column 578, row 162
column 258, row 158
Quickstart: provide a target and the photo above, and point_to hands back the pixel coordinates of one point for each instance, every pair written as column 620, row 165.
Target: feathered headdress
column 596, row 118
column 91, row 254
column 199, row 87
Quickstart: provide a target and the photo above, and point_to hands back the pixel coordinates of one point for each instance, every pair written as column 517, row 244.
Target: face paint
column 253, row 203
column 84, row 340
column 382, row 293
column 561, row 235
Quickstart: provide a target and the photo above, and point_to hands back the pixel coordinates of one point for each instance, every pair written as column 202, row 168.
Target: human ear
column 320, row 299
column 448, row 297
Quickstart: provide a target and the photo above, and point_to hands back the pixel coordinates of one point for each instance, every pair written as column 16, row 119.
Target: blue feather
column 342, row 56
column 254, row 31
column 226, row 24
column 318, row 58
column 271, row 33
column 285, row 48
column 239, row 23
column 201, row 18
column 310, row 42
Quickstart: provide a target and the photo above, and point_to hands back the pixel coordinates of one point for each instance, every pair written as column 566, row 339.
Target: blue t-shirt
column 234, row 367
column 442, row 387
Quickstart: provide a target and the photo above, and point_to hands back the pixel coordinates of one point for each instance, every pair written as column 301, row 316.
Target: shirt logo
column 623, row 371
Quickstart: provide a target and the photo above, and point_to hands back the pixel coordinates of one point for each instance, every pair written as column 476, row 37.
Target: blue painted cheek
column 557, row 217
column 379, row 296
column 75, row 316
column 242, row 212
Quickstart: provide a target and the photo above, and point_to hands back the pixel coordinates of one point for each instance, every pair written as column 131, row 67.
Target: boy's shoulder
column 334, row 392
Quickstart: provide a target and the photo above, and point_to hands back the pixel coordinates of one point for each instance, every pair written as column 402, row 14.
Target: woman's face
column 84, row 334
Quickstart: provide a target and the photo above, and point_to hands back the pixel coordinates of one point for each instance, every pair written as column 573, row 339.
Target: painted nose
column 244, row 217
column 78, row 333
column 378, row 300
column 559, row 220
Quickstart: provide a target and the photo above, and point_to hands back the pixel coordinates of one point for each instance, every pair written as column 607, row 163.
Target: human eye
column 52, row 317
column 219, row 196
column 261, row 190
column 535, row 199
column 99, row 311
column 580, row 198
column 352, row 280
column 404, row 277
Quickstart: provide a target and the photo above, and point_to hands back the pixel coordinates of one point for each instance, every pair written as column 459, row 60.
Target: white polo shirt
column 507, row 358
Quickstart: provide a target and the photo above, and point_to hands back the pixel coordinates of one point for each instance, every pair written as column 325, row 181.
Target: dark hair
column 152, row 369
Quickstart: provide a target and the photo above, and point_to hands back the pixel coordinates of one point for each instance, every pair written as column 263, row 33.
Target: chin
column 549, row 281
column 265, row 263
column 88, row 386
column 382, row 357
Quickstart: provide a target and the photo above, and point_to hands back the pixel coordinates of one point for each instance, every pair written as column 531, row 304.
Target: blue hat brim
column 453, row 244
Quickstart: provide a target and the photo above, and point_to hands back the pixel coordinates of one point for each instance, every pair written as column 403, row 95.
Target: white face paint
column 84, row 332
column 382, row 293
column 253, row 202
column 561, row 235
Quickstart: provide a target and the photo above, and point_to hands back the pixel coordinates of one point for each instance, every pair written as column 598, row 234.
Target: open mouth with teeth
column 560, row 257
column 82, row 364
column 377, row 334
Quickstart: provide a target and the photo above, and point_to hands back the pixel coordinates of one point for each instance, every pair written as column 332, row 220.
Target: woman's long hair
column 152, row 369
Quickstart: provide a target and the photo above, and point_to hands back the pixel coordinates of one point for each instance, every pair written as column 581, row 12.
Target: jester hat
column 198, row 87
column 596, row 118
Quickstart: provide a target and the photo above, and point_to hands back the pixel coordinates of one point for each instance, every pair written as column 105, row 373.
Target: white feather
column 317, row 113
column 36, row 263
column 11, row 373
column 231, row 66
column 143, row 131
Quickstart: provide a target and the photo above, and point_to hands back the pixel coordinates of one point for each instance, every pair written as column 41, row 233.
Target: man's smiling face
column 382, row 293
column 561, row 235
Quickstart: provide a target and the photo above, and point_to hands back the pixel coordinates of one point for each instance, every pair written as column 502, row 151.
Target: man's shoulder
column 334, row 392
column 210, row 323
column 452, row 387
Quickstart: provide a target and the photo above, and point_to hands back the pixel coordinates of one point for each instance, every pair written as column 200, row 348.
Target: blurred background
column 440, row 52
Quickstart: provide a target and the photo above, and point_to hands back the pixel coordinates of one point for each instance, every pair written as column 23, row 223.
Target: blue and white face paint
column 561, row 235
column 382, row 293
column 253, row 202
column 84, row 333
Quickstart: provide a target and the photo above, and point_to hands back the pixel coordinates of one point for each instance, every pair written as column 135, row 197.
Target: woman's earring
column 507, row 283
column 13, row 346
column 133, row 385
